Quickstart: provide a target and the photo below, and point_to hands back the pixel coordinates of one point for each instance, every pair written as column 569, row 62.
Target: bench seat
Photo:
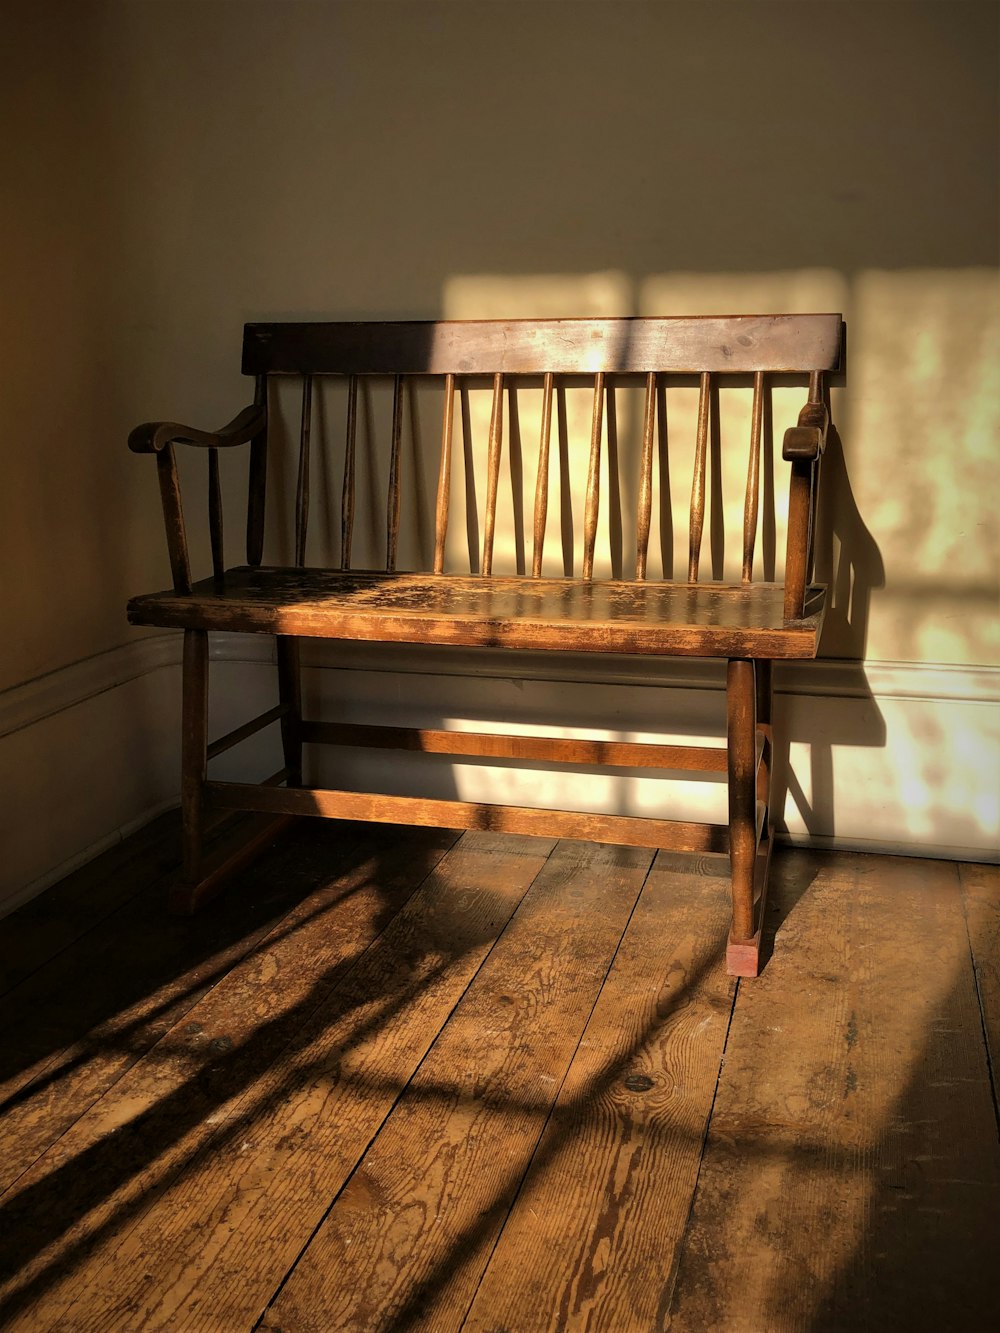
column 666, row 619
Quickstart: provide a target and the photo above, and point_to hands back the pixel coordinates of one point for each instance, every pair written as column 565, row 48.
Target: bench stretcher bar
column 553, row 749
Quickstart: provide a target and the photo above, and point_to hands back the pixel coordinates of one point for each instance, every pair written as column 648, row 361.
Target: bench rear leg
column 745, row 691
column 290, row 694
column 764, row 703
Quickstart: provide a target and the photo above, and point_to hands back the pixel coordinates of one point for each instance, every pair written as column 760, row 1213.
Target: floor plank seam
column 286, row 1278
column 990, row 1067
column 555, row 1102
column 671, row 1283
column 991, row 1072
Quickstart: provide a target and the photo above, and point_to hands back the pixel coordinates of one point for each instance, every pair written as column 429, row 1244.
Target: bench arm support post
column 159, row 438
column 152, row 436
column 803, row 447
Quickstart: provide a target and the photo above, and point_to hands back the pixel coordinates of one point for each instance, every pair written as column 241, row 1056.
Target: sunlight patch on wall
column 907, row 536
column 799, row 291
column 924, row 422
column 538, row 296
column 491, row 296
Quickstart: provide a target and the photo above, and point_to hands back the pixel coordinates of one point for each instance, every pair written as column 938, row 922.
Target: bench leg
column 742, row 693
column 199, row 882
column 290, row 694
column 194, row 758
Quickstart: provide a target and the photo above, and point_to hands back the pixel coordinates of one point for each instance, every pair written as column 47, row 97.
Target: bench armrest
column 152, row 436
column 806, row 440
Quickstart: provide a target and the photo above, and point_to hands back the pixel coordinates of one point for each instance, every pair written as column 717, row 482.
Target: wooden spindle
column 444, row 475
column 753, row 479
column 173, row 517
column 347, row 499
column 542, row 483
column 493, row 473
column 215, row 514
column 698, row 480
column 592, row 506
column 645, row 504
column 815, row 386
column 392, row 502
column 302, row 488
column 257, row 481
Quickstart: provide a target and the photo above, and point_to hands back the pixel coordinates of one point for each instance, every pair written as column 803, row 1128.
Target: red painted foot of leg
column 743, row 957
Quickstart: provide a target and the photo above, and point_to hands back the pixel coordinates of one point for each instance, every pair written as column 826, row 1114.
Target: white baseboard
column 908, row 751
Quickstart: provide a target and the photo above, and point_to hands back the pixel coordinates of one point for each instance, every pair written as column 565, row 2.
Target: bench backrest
column 544, row 356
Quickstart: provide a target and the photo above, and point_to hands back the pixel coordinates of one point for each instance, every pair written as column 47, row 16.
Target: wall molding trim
column 44, row 696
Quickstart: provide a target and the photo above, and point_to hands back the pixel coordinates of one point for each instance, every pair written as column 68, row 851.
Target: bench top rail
column 730, row 344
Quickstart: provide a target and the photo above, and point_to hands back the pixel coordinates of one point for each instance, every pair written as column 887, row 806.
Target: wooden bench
column 750, row 624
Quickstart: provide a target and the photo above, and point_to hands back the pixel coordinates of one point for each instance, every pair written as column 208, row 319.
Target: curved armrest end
column 807, row 439
column 802, row 442
column 149, row 438
column 152, row 436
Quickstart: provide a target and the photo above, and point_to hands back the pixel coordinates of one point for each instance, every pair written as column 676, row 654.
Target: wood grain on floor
column 400, row 1079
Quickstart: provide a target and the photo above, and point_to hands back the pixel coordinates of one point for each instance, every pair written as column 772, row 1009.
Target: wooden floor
column 403, row 1079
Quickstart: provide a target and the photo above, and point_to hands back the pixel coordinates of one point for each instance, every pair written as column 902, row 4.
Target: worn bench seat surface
column 693, row 619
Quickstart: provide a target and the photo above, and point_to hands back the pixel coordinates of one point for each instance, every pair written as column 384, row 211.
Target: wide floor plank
column 851, row 1175
column 407, row 1241
column 593, row 1235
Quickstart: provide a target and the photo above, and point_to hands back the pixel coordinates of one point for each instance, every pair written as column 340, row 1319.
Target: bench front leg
column 194, row 751
column 741, row 703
